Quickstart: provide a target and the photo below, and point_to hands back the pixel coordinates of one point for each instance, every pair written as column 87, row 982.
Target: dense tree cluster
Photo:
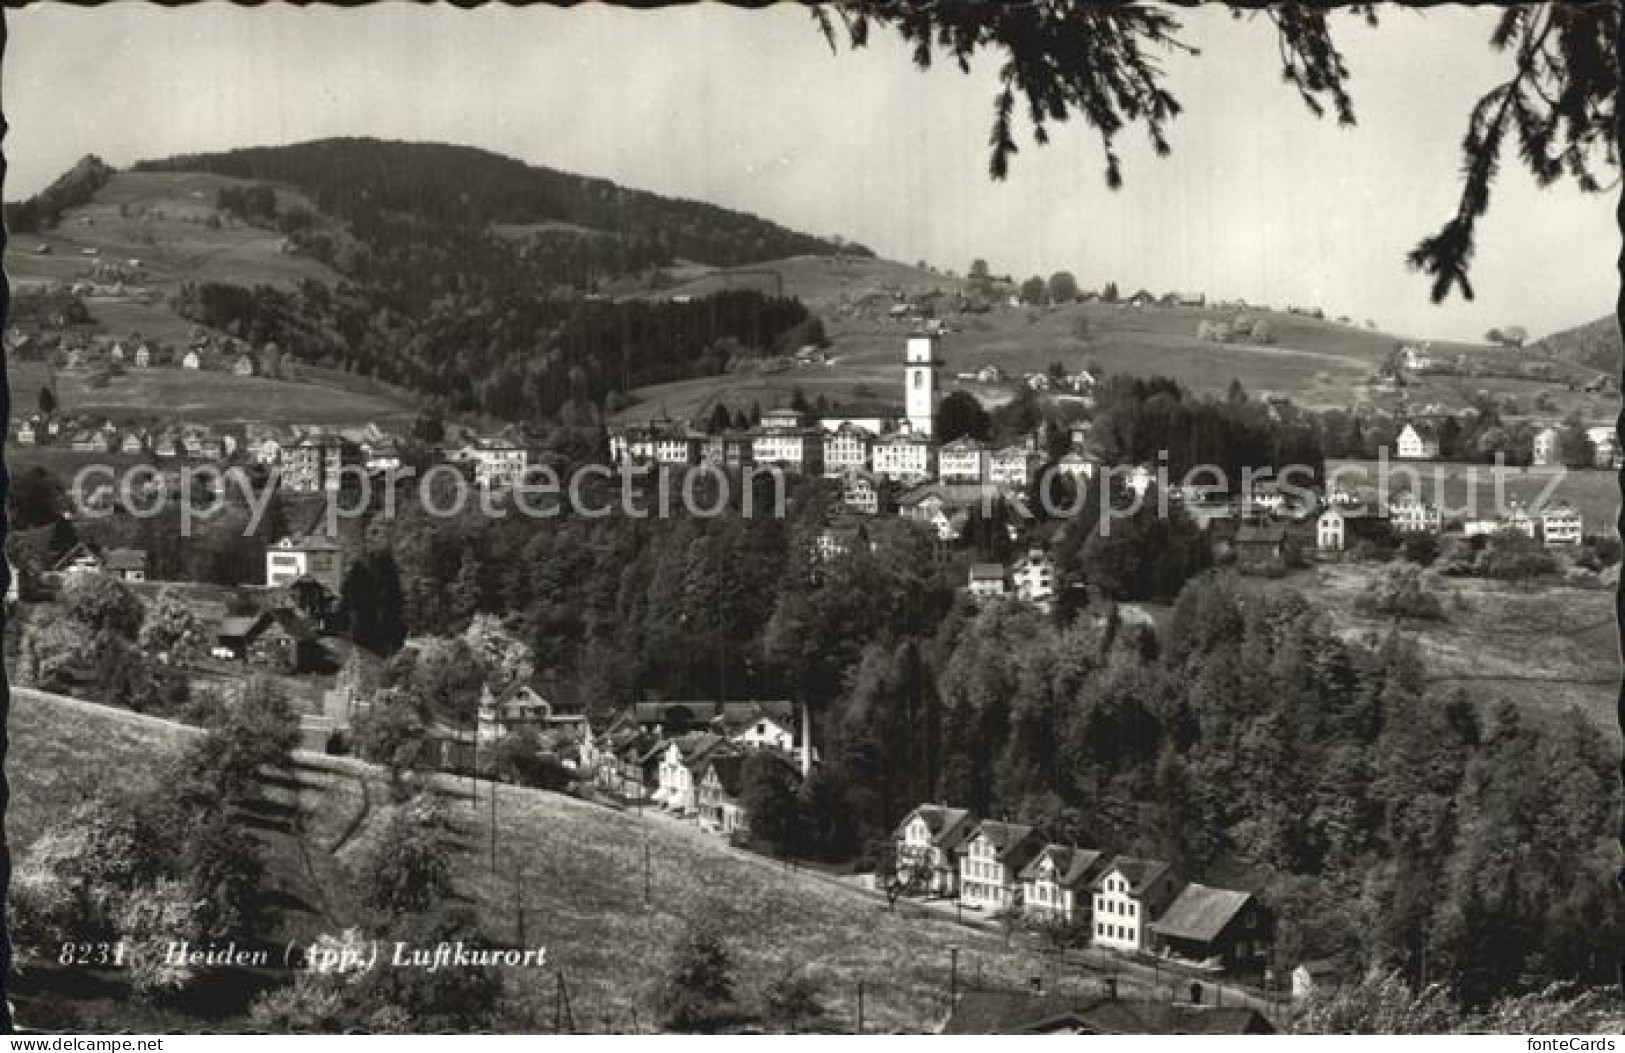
column 74, row 187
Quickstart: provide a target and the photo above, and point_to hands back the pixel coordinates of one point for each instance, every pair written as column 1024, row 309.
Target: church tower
column 920, row 383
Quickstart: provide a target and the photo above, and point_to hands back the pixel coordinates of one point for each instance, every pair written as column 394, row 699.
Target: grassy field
column 1314, row 362
column 1468, row 491
column 168, row 221
column 1550, row 649
column 200, row 396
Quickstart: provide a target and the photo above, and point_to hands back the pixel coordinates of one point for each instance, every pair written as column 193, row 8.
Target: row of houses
column 1124, row 903
column 1419, row 441
column 688, row 758
column 1348, row 519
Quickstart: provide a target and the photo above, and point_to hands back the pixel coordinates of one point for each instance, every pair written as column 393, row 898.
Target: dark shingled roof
column 1200, row 912
column 948, row 826
column 1012, row 1013
column 1072, row 865
column 1139, row 873
column 1009, row 839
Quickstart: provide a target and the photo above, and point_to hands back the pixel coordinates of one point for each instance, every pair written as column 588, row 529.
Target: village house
column 1261, row 546
column 990, row 374
column 79, row 559
column 516, row 708
column 1013, row 467
column 725, row 450
column 719, row 806
column 1056, row 885
column 278, row 640
column 1034, row 577
column 798, row 450
column 1331, row 530
column 767, row 724
column 682, row 765
column 316, row 556
column 1605, row 445
column 927, row 846
column 499, row 464
column 244, row 366
column 1216, row 928
column 1547, row 447
column 26, row 433
column 126, row 564
column 846, row 450
column 1128, row 896
column 994, row 856
column 965, row 460
column 191, row 360
column 143, row 357
column 839, row 539
column 986, row 581
column 1079, row 466
column 860, row 493
column 1560, row 525
column 1318, row 976
column 904, row 457
column 1409, row 514
column 115, row 354
column 1418, row 441
column 1416, row 359
column 134, row 442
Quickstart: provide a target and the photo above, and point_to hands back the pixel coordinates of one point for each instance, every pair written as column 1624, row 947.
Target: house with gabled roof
column 276, row 639
column 682, row 766
column 126, row 564
column 1057, row 884
column 1217, row 928
column 511, row 710
column 990, row 868
column 1128, row 896
column 1418, row 441
column 927, row 846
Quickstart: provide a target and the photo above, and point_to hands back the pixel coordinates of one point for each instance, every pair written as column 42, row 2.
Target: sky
column 752, row 110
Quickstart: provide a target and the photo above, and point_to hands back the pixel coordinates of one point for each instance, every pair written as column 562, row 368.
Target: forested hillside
column 1595, row 344
column 475, row 279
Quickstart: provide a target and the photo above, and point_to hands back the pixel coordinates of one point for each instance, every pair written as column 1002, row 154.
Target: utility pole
column 493, row 824
column 953, row 978
column 860, row 1007
column 519, row 900
column 647, row 894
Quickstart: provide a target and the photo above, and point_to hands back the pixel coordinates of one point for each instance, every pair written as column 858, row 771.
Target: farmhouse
column 1056, row 884
column 26, row 435
column 78, row 559
column 1261, row 546
column 682, row 765
column 1214, row 927
column 986, row 581
column 515, row 709
column 245, row 366
column 191, row 360
column 278, row 640
column 1128, row 896
column 143, row 357
column 126, row 564
column 1605, row 443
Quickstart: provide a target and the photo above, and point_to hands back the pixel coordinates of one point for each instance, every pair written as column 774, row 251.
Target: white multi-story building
column 1034, row 577
column 1128, row 897
column 798, row 449
column 1330, row 529
column 311, row 555
column 928, row 844
column 1013, row 467
column 499, row 464
column 1547, row 447
column 1561, row 525
column 846, row 449
column 1056, row 884
column 904, row 457
column 1409, row 514
column 965, row 460
column 990, row 868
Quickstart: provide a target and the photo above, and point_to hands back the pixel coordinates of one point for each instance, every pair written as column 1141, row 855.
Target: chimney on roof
column 806, row 741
